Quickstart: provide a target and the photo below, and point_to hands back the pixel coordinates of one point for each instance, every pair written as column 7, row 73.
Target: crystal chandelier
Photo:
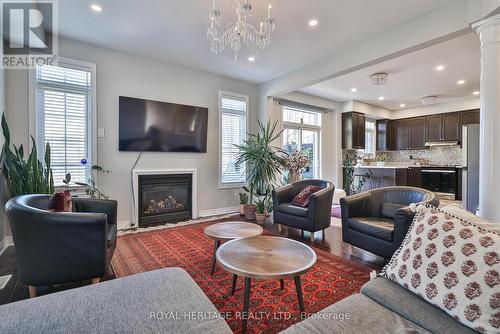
column 240, row 31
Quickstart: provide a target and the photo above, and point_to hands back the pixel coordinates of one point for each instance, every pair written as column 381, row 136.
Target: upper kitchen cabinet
column 353, row 130
column 402, row 134
column 443, row 127
column 386, row 135
column 469, row 117
column 434, row 127
column 417, row 133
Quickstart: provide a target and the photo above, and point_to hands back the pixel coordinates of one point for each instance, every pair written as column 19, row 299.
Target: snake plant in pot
column 25, row 176
column 264, row 162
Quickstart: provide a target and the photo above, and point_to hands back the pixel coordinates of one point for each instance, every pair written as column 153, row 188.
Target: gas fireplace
column 164, row 198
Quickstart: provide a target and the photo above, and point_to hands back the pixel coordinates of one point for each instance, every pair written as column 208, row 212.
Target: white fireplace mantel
column 194, row 191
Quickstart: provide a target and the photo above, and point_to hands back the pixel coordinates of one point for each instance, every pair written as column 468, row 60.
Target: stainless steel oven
column 440, row 179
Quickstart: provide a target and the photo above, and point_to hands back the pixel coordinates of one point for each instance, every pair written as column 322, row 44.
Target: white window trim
column 302, row 126
column 32, row 116
column 219, row 103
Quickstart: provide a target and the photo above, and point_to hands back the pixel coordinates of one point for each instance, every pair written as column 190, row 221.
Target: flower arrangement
column 295, row 163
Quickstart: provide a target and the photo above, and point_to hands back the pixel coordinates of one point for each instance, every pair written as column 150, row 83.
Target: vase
column 294, row 176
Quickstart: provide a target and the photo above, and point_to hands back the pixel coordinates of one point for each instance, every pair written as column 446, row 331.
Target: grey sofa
column 382, row 307
column 160, row 301
column 378, row 220
column 315, row 217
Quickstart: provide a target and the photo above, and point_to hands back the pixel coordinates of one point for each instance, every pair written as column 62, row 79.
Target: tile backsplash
column 437, row 155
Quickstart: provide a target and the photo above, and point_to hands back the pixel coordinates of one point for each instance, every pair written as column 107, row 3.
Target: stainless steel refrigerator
column 470, row 167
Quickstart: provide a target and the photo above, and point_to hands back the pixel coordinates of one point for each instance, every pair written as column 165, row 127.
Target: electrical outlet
column 100, row 133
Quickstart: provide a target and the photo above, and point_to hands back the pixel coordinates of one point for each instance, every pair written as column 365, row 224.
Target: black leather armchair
column 378, row 220
column 61, row 247
column 315, row 217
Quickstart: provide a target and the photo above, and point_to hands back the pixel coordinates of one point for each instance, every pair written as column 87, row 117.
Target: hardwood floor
column 331, row 242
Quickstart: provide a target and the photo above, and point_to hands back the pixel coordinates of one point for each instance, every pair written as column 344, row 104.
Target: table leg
column 233, row 286
column 246, row 303
column 282, row 284
column 217, row 244
column 298, row 287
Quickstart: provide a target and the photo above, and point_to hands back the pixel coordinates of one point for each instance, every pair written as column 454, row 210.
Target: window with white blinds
column 370, row 137
column 63, row 103
column 233, row 125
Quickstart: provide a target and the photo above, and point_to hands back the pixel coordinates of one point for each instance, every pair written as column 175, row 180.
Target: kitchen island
column 366, row 177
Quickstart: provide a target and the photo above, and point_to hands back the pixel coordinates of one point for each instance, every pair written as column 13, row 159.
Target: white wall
column 438, row 108
column 365, row 108
column 129, row 75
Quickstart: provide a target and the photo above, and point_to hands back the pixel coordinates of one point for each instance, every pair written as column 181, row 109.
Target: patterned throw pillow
column 61, row 202
column 302, row 198
column 453, row 264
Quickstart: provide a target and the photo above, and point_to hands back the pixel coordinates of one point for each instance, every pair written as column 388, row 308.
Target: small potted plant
column 381, row 159
column 249, row 208
column 243, row 202
column 260, row 215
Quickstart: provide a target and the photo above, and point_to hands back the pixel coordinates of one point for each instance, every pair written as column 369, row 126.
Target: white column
column 489, row 170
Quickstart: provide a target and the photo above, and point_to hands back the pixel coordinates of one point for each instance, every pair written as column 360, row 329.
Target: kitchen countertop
column 400, row 166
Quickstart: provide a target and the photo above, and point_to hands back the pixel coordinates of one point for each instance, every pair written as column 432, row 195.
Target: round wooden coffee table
column 229, row 231
column 266, row 257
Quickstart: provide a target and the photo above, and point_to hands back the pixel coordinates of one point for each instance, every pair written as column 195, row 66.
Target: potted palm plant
column 264, row 162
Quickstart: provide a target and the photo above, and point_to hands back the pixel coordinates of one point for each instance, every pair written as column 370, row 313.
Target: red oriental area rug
column 330, row 280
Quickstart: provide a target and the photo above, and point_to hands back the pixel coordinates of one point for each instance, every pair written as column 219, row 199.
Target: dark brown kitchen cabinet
column 353, row 130
column 417, row 133
column 402, row 134
column 386, row 135
column 434, row 128
column 469, row 117
column 443, row 127
column 415, row 177
column 451, row 126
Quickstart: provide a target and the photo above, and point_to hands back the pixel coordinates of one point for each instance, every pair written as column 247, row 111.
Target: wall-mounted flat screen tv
column 156, row 126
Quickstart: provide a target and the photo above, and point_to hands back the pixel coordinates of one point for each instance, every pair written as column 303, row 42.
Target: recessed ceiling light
column 475, row 92
column 96, row 8
column 402, row 105
column 251, row 59
column 354, row 90
column 313, row 23
column 440, row 68
column 381, row 98
column 460, row 82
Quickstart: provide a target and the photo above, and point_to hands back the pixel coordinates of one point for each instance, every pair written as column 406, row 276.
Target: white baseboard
column 123, row 225
column 5, row 243
column 218, row 211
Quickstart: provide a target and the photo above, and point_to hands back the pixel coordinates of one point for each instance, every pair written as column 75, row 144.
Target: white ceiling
column 412, row 76
column 175, row 30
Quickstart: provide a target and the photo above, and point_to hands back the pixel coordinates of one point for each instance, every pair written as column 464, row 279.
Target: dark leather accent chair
column 61, row 247
column 315, row 217
column 378, row 220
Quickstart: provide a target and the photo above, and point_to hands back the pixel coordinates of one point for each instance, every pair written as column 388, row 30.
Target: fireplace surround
column 164, row 196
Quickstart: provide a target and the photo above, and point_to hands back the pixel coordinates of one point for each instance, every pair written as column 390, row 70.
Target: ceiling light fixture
column 313, row 23
column 378, row 79
column 460, row 82
column 427, row 100
column 440, row 68
column 402, row 105
column 96, row 8
column 381, row 98
column 251, row 59
column 475, row 92
column 354, row 90
column 239, row 31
